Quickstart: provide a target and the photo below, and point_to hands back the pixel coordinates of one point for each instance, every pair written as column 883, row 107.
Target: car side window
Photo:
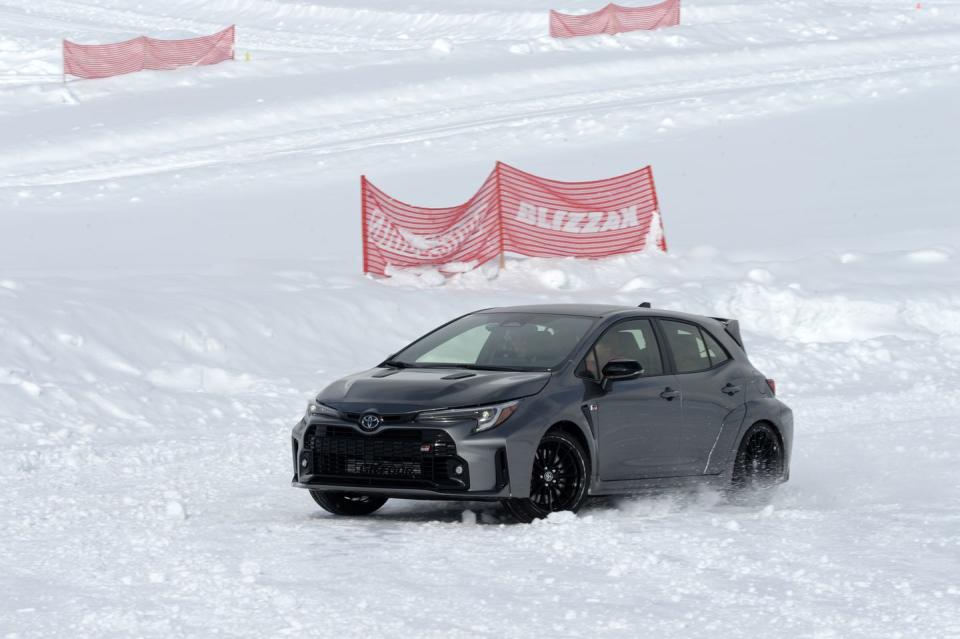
column 690, row 352
column 632, row 339
column 718, row 354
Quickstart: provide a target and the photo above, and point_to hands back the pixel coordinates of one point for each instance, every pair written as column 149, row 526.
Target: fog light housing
column 458, row 469
column 303, row 462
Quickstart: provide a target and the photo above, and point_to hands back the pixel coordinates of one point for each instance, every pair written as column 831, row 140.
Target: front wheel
column 561, row 474
column 349, row 504
column 759, row 465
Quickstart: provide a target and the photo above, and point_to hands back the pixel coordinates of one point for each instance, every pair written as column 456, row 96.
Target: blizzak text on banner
column 577, row 222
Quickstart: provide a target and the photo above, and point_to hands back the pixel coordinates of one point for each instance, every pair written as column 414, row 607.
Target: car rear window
column 690, row 353
column 718, row 354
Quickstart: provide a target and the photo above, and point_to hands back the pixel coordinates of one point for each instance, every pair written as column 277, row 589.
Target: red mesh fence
column 105, row 60
column 614, row 18
column 513, row 212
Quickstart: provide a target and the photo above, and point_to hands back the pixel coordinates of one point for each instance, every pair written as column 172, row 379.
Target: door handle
column 731, row 389
column 669, row 394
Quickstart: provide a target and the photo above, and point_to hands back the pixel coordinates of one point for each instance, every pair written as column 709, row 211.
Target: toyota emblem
column 370, row 422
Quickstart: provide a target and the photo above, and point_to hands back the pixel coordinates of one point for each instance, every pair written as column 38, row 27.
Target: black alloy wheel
column 349, row 504
column 758, row 467
column 561, row 473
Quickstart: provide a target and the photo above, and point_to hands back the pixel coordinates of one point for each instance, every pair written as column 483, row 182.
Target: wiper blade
column 395, row 363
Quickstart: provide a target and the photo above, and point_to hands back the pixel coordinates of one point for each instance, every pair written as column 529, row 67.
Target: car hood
column 391, row 391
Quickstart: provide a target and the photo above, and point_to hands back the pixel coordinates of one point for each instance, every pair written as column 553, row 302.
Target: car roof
column 594, row 310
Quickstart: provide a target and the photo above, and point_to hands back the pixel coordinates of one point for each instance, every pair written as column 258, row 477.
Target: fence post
column 363, row 218
column 496, row 180
column 656, row 204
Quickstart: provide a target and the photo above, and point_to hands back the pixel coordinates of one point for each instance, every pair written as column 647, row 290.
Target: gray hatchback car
column 540, row 407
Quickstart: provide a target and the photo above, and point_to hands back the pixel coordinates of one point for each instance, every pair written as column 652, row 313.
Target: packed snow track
column 179, row 274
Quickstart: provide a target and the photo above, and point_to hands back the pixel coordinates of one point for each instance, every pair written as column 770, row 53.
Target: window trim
column 673, row 363
column 664, row 364
column 581, row 368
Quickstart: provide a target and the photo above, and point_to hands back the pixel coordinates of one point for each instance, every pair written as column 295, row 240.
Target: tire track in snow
column 750, row 90
column 323, row 29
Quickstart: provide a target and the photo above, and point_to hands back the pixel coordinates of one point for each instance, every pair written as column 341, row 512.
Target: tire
column 758, row 467
column 560, row 480
column 348, row 504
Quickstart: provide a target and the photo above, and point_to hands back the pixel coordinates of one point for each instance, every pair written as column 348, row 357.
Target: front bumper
column 407, row 493
column 403, row 460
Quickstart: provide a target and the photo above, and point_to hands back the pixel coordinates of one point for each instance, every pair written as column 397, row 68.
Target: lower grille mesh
column 392, row 457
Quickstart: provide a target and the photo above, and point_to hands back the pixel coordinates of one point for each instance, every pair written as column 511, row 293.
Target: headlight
column 315, row 409
column 486, row 417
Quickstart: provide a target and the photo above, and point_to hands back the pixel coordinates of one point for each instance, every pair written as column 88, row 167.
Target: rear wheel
column 349, row 504
column 561, row 475
column 758, row 467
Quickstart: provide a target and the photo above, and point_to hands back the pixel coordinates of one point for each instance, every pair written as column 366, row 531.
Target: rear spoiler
column 732, row 327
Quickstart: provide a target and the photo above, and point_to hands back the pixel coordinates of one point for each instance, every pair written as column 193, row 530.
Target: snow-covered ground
column 179, row 272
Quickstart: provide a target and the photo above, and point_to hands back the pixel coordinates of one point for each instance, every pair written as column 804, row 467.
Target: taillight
column 773, row 386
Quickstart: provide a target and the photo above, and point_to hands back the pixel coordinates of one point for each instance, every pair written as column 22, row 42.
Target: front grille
column 394, row 457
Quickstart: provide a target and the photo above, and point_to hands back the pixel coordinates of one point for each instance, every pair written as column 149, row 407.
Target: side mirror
column 620, row 369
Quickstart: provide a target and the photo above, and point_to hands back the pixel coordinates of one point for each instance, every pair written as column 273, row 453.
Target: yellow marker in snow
column 246, row 56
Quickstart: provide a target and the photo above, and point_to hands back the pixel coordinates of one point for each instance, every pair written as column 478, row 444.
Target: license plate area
column 407, row 470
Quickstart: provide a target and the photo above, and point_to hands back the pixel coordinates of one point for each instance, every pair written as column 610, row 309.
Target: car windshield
column 498, row 341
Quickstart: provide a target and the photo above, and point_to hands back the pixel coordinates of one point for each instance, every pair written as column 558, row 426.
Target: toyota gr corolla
column 540, row 407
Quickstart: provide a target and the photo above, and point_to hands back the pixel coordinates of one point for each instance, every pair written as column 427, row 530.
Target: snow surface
column 179, row 257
